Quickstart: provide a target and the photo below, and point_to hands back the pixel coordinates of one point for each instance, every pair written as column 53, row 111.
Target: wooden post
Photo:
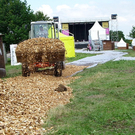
column 2, row 62
column 134, row 48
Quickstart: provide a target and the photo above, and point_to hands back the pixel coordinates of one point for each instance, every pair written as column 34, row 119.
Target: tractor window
column 47, row 30
column 40, row 30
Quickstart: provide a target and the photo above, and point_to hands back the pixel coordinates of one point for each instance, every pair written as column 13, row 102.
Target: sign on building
column 105, row 24
column 65, row 26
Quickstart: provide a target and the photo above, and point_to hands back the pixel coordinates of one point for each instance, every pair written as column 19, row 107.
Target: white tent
column 121, row 43
column 97, row 32
column 133, row 42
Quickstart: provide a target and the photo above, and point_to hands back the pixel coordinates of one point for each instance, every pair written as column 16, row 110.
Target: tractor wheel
column 58, row 69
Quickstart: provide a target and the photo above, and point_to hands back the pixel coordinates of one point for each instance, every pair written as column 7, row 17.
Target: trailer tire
column 58, row 69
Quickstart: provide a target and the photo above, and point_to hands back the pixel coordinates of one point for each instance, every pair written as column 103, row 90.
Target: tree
column 14, row 17
column 120, row 35
column 132, row 32
column 39, row 16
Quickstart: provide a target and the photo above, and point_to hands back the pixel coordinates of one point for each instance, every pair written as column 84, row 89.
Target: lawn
column 79, row 56
column 12, row 71
column 102, row 104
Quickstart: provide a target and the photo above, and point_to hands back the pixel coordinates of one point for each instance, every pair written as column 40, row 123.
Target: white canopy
column 97, row 31
column 133, row 42
column 121, row 43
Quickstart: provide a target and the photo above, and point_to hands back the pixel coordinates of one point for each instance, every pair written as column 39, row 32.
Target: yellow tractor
column 43, row 49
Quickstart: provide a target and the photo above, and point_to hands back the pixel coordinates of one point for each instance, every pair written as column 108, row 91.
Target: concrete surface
column 102, row 57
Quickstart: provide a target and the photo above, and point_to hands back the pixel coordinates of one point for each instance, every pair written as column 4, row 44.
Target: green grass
column 79, row 56
column 12, row 71
column 131, row 53
column 103, row 103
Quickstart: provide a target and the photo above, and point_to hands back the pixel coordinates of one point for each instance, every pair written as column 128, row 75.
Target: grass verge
column 103, row 103
column 79, row 56
column 131, row 53
column 12, row 71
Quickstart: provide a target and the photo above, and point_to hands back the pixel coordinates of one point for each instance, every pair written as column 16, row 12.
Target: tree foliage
column 15, row 19
column 117, row 34
column 132, row 32
column 39, row 16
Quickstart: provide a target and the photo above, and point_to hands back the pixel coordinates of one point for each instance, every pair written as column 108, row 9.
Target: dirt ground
column 25, row 101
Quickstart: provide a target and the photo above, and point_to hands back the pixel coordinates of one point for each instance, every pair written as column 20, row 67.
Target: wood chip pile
column 25, row 102
column 40, row 50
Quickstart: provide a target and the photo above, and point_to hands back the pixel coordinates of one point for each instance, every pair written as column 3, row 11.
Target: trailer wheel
column 25, row 70
column 58, row 69
column 35, row 69
column 63, row 65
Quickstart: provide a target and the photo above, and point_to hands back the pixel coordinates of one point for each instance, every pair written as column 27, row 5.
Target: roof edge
column 83, row 20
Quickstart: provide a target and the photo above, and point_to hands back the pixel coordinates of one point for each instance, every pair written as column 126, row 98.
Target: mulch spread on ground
column 25, row 101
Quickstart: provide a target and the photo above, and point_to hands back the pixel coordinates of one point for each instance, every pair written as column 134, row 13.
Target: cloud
column 62, row 8
column 95, row 10
column 78, row 11
column 122, row 19
column 46, row 9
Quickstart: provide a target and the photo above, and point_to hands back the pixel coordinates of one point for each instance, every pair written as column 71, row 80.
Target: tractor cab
column 46, row 29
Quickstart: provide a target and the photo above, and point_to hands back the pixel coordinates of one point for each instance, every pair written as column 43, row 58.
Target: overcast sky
column 89, row 9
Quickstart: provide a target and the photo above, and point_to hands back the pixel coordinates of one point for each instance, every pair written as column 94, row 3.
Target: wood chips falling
column 40, row 49
column 25, row 101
